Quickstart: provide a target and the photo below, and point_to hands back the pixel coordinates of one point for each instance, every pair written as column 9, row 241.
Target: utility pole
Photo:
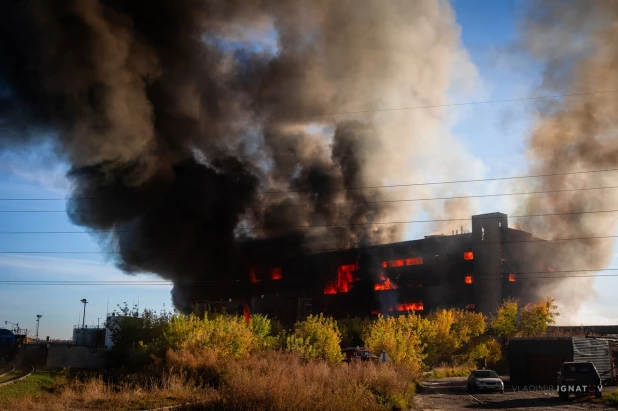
column 83, row 300
column 98, row 322
column 38, row 318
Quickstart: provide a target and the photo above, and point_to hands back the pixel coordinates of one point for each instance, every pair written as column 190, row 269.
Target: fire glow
column 468, row 279
column 386, row 284
column 403, row 261
column 345, row 278
column 276, row 274
column 468, row 255
column 403, row 308
column 511, row 278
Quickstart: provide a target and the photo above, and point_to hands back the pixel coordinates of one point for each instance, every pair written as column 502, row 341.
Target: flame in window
column 468, row 255
column 414, row 261
column 386, row 284
column 468, row 279
column 345, row 278
column 330, row 288
column 252, row 276
column 511, row 278
column 403, row 261
column 247, row 313
column 410, row 307
column 276, row 273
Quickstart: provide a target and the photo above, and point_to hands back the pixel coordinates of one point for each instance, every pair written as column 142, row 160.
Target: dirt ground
column 450, row 394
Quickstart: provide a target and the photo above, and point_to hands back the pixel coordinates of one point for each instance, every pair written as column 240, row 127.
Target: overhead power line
column 383, row 222
column 325, row 114
column 191, row 282
column 343, row 203
column 317, row 250
column 565, row 173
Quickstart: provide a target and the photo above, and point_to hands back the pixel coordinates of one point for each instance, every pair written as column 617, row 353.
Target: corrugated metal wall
column 596, row 351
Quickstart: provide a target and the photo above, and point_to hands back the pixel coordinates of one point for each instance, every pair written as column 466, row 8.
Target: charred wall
column 474, row 271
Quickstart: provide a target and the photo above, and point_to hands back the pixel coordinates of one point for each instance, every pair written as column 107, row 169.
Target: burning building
column 473, row 270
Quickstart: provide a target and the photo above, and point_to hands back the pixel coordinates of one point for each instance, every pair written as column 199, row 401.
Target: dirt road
column 450, row 394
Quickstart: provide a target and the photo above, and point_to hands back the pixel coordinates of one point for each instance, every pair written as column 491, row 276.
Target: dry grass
column 445, row 371
column 270, row 381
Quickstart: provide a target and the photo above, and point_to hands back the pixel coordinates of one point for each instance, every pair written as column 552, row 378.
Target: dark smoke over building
column 474, row 271
column 186, row 120
column 206, row 136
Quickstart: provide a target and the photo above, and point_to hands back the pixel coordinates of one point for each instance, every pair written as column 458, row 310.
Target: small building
column 536, row 361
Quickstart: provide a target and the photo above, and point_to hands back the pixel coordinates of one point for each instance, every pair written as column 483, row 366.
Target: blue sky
column 494, row 134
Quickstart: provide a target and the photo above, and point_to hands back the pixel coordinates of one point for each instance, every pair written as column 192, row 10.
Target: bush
column 223, row 335
column 399, row 337
column 317, row 337
column 611, row 398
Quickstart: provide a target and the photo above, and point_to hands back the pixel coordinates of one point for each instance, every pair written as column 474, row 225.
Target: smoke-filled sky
column 152, row 152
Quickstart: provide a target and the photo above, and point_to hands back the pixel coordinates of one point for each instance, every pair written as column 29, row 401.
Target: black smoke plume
column 187, row 121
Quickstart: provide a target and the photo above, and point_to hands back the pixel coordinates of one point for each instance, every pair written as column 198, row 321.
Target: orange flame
column 396, row 263
column 511, row 278
column 386, row 284
column 468, row 255
column 276, row 273
column 468, row 279
column 247, row 313
column 330, row 289
column 384, row 264
column 414, row 261
column 344, row 280
column 410, row 306
column 252, row 276
column 403, row 307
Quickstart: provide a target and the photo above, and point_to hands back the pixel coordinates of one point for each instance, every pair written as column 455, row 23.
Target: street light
column 83, row 300
column 38, row 318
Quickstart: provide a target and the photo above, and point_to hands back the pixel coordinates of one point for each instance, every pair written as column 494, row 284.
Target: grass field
column 40, row 383
column 611, row 398
column 272, row 381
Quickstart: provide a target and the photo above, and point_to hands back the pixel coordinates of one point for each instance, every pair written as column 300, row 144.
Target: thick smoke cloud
column 185, row 121
column 576, row 43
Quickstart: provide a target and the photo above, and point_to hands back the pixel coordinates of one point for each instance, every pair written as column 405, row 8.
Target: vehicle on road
column 485, row 380
column 579, row 378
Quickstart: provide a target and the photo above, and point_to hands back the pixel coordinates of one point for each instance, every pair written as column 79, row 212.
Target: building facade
column 474, row 270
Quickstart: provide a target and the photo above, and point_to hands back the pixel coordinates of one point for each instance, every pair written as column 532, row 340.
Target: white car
column 485, row 380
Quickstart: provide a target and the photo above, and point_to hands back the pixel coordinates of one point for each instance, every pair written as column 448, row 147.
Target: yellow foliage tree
column 504, row 323
column 317, row 337
column 454, row 329
column 535, row 318
column 399, row 337
column 225, row 336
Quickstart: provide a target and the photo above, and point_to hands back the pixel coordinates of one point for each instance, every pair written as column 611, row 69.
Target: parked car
column 358, row 354
column 485, row 380
column 579, row 378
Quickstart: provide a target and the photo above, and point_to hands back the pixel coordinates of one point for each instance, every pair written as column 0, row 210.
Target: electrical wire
column 399, row 222
column 196, row 282
column 391, row 186
column 342, row 203
column 326, row 114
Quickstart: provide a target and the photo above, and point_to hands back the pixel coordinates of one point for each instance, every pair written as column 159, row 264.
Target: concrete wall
column 74, row 357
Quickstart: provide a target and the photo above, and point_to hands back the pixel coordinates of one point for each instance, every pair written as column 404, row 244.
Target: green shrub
column 317, row 337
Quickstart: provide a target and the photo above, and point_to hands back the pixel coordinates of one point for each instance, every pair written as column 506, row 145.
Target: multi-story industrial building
column 474, row 270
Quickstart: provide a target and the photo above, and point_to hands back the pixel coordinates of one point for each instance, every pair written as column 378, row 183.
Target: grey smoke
column 178, row 116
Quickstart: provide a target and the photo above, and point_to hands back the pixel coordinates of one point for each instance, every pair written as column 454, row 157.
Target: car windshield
column 573, row 369
column 485, row 374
